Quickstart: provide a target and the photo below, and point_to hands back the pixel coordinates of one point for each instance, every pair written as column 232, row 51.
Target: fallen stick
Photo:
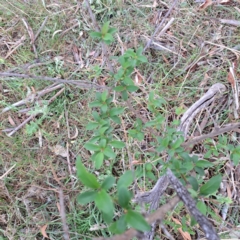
column 80, row 83
column 22, row 124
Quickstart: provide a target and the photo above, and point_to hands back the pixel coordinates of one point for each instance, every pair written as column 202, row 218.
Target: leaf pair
column 106, row 33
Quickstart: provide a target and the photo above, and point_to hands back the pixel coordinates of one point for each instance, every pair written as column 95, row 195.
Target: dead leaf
column 237, row 9
column 58, row 206
column 43, row 231
column 40, row 139
column 138, row 79
column 206, row 4
column 29, row 30
column 225, row 1
column 3, row 219
column 102, row 81
column 33, row 90
column 59, row 150
column 165, row 60
column 76, row 134
column 229, row 192
column 91, row 53
column 155, row 4
column 135, row 162
column 77, row 55
column 205, row 80
column 11, row 121
column 230, row 22
column 185, row 235
column 230, row 77
column 96, row 227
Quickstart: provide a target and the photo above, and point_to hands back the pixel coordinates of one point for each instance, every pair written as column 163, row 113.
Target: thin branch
column 160, row 25
column 79, row 83
column 69, row 137
column 185, row 196
column 215, row 133
column 22, row 124
column 92, row 15
column 66, row 235
column 41, row 28
column 7, row 172
column 32, row 96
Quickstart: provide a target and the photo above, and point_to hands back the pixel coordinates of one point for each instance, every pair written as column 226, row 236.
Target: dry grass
column 199, row 52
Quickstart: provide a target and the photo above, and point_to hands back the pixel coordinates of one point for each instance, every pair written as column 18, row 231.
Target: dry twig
column 160, row 25
column 66, row 235
column 79, row 83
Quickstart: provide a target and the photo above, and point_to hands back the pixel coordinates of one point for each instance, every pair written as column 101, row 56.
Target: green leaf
column 125, row 180
column 177, row 143
column 117, row 144
column 139, row 51
column 86, row 197
column 193, row 193
column 103, row 130
column 92, row 147
column 211, row 186
column 108, row 182
column 148, row 167
column 151, row 176
column 193, row 222
column 235, row 155
column 120, row 88
column 204, row 164
column 104, row 107
column 176, row 164
column 125, row 95
column 116, row 119
column 124, row 197
column 32, row 128
column 119, row 74
column 92, row 125
column 96, row 116
column 128, row 81
column 202, row 207
column 129, row 52
column 186, row 167
column 87, row 178
column 103, row 143
column 137, row 221
column 108, row 37
column 116, row 111
column 104, row 203
column 119, row 226
column 95, row 104
column 142, row 59
column 132, row 88
column 200, row 171
column 193, row 181
column 140, row 136
column 104, row 96
column 109, row 152
column 105, row 28
column 98, row 160
column 95, row 34
column 130, row 69
column 112, row 30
